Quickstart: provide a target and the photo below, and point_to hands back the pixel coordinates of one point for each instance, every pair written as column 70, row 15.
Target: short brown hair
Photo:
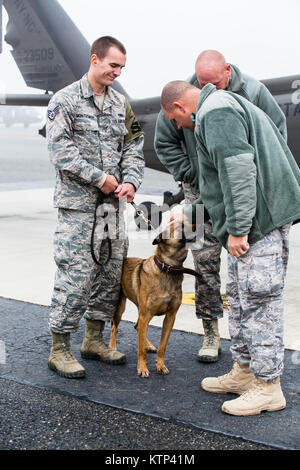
column 173, row 91
column 101, row 45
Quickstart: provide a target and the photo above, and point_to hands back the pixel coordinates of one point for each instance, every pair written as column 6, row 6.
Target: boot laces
column 227, row 376
column 210, row 340
column 67, row 352
column 210, row 336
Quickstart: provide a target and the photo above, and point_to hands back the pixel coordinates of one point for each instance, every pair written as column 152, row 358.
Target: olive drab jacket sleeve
column 268, row 104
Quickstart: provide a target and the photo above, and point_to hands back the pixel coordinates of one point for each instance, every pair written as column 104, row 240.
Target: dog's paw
column 149, row 347
column 143, row 372
column 162, row 369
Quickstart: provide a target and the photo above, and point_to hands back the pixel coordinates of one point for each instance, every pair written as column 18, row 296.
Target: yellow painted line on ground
column 188, row 298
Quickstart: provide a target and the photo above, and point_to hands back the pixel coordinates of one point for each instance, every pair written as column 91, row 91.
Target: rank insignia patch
column 53, row 113
column 135, row 127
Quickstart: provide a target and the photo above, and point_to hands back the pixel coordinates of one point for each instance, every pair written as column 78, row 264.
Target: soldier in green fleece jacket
column 250, row 186
column 176, row 148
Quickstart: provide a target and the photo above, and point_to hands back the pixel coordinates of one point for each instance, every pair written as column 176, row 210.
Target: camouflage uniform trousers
column 81, row 286
column 255, row 295
column 208, row 300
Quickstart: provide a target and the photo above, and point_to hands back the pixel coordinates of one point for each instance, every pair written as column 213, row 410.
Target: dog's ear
column 157, row 240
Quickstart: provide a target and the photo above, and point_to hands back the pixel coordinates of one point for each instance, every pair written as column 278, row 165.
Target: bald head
column 211, row 67
column 174, row 91
column 210, row 58
column 178, row 100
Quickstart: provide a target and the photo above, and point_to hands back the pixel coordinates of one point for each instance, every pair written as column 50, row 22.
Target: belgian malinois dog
column 154, row 285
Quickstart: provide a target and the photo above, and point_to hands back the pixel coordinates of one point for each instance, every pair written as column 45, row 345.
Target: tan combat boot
column 238, row 380
column 61, row 360
column 211, row 344
column 94, row 347
column 261, row 396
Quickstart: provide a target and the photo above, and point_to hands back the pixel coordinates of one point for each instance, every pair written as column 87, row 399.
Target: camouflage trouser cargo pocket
column 265, row 277
column 66, row 248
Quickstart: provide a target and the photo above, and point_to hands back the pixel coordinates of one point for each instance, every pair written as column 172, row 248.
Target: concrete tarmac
column 35, row 419
column 27, row 224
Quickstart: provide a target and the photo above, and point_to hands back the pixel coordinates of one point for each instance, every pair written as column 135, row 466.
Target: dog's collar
column 167, row 268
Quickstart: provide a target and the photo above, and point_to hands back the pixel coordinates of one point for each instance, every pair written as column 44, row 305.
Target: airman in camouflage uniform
column 95, row 143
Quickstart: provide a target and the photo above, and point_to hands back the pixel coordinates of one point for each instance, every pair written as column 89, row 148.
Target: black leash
column 141, row 214
column 98, row 202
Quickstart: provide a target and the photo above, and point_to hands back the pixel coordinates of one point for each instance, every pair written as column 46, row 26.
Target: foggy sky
column 164, row 37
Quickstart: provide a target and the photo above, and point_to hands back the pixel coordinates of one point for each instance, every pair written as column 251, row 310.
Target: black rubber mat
column 176, row 397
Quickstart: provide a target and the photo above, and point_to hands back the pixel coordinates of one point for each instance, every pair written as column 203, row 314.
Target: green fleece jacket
column 250, row 182
column 176, row 148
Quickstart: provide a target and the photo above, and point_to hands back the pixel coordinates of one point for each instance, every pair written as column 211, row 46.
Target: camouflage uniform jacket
column 85, row 143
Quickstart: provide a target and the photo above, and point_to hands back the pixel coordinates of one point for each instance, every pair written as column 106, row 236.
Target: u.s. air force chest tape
column 132, row 125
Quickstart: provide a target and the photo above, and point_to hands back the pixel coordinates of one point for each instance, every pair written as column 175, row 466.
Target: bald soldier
column 176, row 148
column 249, row 184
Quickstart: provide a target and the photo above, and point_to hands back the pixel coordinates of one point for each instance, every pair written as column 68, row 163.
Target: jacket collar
column 87, row 92
column 207, row 90
column 194, row 81
column 86, row 88
column 236, row 82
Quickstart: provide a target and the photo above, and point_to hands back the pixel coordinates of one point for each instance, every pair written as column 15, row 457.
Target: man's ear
column 228, row 69
column 157, row 240
column 94, row 59
column 179, row 105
